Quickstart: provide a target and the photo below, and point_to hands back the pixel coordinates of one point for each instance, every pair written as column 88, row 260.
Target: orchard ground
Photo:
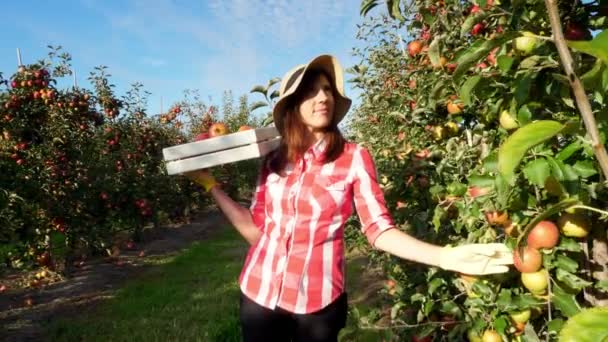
column 179, row 282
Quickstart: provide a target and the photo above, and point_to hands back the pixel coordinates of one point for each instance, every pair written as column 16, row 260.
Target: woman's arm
column 378, row 226
column 476, row 258
column 239, row 216
column 407, row 247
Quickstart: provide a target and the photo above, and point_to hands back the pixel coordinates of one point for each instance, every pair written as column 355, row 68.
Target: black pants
column 264, row 325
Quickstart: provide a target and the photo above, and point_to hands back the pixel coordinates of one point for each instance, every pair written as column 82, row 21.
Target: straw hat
column 292, row 80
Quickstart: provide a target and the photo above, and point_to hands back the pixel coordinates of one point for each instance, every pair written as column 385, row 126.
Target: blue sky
column 173, row 45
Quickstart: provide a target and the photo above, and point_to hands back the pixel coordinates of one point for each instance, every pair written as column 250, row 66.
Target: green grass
column 194, row 297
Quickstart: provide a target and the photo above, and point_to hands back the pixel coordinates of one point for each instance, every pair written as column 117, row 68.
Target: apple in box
column 217, row 129
column 201, row 136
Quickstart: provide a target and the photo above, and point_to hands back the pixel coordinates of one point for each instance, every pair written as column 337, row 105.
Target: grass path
column 194, row 297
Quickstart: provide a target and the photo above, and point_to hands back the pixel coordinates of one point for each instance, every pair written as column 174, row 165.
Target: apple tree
column 487, row 124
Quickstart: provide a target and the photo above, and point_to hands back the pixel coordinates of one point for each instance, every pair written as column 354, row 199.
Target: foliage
column 82, row 170
column 476, row 134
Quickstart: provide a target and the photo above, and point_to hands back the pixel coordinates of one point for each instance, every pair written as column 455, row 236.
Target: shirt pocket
column 329, row 192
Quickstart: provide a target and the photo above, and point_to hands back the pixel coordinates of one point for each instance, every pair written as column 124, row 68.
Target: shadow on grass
column 194, row 297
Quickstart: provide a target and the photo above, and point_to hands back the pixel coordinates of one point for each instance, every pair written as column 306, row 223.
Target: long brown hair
column 294, row 142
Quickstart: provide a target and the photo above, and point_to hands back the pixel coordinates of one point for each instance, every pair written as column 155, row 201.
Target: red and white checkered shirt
column 298, row 262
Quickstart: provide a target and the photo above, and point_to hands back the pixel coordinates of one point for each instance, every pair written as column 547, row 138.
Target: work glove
column 476, row 259
column 203, row 178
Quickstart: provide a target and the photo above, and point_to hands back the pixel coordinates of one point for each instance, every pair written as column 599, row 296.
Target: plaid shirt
column 298, row 262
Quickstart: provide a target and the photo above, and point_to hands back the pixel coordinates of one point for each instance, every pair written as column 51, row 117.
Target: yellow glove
column 476, row 259
column 203, row 178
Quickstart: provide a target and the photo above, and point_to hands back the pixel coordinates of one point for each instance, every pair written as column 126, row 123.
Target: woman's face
column 317, row 106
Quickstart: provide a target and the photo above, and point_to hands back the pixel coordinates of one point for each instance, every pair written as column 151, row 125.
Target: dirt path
column 95, row 280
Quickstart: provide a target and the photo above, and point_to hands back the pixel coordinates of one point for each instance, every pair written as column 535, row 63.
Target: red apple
column 478, row 29
column 414, row 48
column 474, row 191
column 543, row 235
column 2, row 288
column 245, row 128
column 217, row 129
column 201, row 136
column 500, row 218
column 574, row 31
column 530, row 260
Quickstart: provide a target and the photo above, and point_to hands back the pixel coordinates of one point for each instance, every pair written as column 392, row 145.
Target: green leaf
column 435, row 94
column 435, row 284
column 514, row 148
column 500, row 324
column 555, row 326
column 433, row 52
column 569, row 150
column 585, row 168
column 456, row 189
column 530, row 334
column 522, row 88
column 490, row 163
column 524, row 115
column 530, row 62
column 467, row 87
column 569, row 244
column 505, row 62
column 592, row 77
column 259, row 89
column 587, row 326
column 366, row 6
column 394, row 10
column 504, row 301
column 566, row 263
column 598, row 47
column 274, row 95
column 602, row 285
column 470, row 22
column 537, row 172
column 273, row 81
column 565, row 302
column 481, row 181
column 526, row 300
column 561, row 171
column 437, row 217
column 478, row 51
column 257, row 105
column 572, row 280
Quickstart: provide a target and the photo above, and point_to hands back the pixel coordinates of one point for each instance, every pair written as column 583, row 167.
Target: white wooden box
column 220, row 150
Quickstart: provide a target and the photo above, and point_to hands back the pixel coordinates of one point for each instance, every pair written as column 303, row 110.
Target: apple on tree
column 544, row 235
column 573, row 225
column 414, row 48
column 536, row 282
column 527, row 259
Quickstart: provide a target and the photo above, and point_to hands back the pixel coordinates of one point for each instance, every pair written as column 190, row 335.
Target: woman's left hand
column 476, row 259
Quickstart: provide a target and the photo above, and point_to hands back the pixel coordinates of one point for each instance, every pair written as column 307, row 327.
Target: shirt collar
column 317, row 149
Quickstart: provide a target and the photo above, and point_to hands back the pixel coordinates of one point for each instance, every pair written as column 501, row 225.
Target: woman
column 292, row 281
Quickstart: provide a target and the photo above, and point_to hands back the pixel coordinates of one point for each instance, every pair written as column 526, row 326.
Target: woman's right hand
column 203, row 178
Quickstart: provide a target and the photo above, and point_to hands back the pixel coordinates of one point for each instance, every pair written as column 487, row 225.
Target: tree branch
column 582, row 100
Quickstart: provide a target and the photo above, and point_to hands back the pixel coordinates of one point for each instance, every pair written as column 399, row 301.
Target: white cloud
column 240, row 42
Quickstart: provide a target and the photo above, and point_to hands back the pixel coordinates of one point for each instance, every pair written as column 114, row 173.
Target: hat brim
column 332, row 67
